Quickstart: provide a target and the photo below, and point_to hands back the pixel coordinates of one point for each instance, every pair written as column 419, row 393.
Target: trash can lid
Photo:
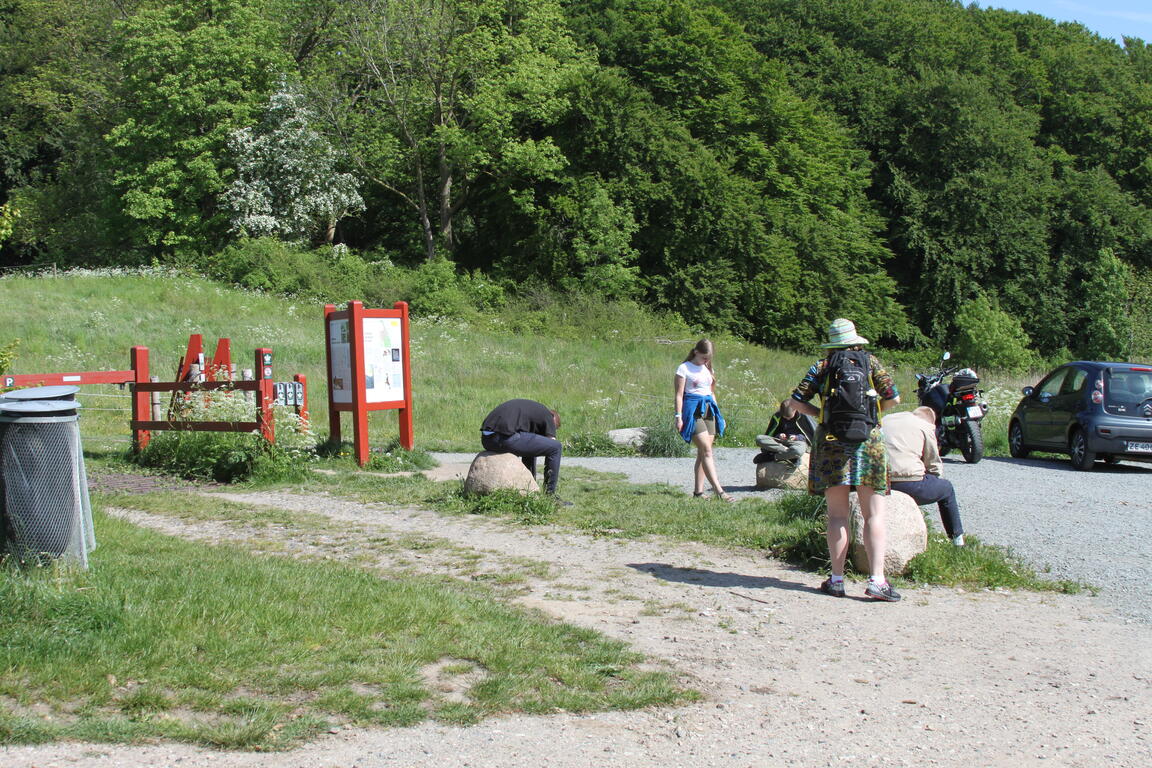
column 58, row 392
column 37, row 407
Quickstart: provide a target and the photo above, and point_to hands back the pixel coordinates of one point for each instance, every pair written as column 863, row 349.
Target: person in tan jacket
column 915, row 468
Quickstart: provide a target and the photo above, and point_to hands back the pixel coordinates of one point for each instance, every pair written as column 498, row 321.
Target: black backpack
column 849, row 410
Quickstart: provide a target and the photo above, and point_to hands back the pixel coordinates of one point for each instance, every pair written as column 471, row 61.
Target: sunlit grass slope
column 601, row 366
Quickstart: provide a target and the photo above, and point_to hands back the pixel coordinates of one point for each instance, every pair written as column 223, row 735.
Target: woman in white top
column 698, row 418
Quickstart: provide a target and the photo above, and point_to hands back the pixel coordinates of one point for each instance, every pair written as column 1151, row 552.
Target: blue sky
column 1107, row 18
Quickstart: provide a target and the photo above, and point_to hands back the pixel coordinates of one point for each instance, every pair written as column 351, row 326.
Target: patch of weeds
column 800, row 523
column 230, row 457
column 146, row 698
column 573, row 587
column 653, row 608
column 394, row 458
column 594, row 444
column 661, row 440
column 524, row 508
column 981, row 565
column 502, row 578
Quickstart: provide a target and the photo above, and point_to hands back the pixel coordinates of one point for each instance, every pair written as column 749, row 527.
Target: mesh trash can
column 44, row 507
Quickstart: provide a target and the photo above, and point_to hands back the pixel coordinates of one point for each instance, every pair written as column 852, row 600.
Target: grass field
column 602, row 366
column 166, row 638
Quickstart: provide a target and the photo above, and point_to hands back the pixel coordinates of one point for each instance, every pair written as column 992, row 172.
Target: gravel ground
column 1068, row 524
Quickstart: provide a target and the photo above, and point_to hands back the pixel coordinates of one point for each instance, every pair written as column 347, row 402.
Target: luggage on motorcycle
column 964, row 379
column 849, row 412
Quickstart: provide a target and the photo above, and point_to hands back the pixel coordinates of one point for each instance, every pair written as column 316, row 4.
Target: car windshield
column 1125, row 389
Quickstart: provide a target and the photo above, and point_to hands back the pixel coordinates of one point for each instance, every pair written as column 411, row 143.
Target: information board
column 368, row 369
column 340, row 355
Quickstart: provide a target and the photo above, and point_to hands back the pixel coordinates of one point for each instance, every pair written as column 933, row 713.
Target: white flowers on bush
column 286, row 180
column 294, row 435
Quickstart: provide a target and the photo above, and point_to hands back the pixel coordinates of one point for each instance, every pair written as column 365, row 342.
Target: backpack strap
column 826, row 386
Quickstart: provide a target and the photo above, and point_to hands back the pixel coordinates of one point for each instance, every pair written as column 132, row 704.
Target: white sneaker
column 958, row 540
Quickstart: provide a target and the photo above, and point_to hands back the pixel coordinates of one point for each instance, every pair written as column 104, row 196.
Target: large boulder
column 629, row 437
column 783, row 474
column 907, row 533
column 493, row 471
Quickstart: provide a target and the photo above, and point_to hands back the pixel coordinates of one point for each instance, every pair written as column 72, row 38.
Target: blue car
column 1089, row 410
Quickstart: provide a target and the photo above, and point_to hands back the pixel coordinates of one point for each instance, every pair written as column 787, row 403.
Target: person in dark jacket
column 527, row 429
column 787, row 437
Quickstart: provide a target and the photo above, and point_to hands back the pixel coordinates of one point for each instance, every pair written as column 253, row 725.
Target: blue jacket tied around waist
column 695, row 406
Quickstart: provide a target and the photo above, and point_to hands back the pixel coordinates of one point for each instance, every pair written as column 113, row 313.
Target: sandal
column 697, row 494
column 726, row 497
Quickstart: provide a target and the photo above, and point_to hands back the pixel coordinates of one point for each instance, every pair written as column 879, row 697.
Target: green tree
column 56, row 72
column 751, row 200
column 967, row 197
column 286, row 182
column 988, row 337
column 192, row 74
column 1104, row 327
column 8, row 216
column 1139, row 306
column 439, row 93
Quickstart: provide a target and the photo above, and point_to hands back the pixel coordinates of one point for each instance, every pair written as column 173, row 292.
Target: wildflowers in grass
column 230, row 456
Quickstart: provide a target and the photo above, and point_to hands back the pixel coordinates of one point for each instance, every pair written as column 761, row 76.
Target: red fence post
column 407, row 437
column 220, row 366
column 264, row 398
column 302, row 403
column 141, row 401
column 359, row 395
column 194, row 356
column 333, row 412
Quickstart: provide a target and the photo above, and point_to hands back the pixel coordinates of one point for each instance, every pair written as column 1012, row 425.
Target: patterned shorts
column 834, row 463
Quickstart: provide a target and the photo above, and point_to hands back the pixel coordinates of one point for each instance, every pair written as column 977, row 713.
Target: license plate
column 975, row 412
column 1140, row 447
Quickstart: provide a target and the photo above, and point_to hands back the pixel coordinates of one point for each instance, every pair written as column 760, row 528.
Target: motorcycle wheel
column 972, row 442
column 943, row 441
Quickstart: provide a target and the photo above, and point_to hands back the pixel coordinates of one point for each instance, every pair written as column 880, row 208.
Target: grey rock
column 494, row 471
column 907, row 533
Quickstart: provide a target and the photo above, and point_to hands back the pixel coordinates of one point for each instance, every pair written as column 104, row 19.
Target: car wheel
column 1016, row 441
column 972, row 442
column 1082, row 458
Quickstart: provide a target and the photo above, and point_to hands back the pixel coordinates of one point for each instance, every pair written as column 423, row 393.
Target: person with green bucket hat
column 852, row 458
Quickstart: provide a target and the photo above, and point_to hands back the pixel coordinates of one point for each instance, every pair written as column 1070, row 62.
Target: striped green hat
column 842, row 333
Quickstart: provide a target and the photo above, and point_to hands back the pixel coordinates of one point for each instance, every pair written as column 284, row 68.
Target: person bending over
column 527, row 429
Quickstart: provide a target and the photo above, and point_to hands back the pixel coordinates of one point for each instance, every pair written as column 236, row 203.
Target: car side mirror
column 1027, row 391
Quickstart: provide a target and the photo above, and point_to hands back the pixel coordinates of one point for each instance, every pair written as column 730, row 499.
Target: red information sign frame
column 357, row 370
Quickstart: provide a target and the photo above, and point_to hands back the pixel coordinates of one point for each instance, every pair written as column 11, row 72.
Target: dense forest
column 755, row 166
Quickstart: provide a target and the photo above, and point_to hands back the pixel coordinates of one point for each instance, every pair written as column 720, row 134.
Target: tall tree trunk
column 446, row 212
column 425, row 221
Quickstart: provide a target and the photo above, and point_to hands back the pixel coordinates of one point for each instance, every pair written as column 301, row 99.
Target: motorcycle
column 959, row 405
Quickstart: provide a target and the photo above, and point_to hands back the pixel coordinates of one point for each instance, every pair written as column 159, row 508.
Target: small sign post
column 368, row 369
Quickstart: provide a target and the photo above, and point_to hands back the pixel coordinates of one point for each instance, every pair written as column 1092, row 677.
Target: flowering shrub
column 230, row 457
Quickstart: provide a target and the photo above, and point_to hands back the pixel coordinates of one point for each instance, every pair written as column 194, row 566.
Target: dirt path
column 790, row 676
